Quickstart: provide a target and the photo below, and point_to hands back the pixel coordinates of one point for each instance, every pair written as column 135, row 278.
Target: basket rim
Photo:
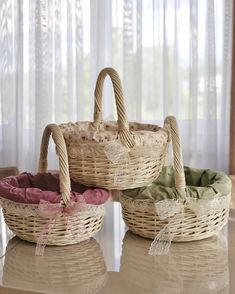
column 152, row 201
column 31, row 210
column 2, row 199
column 84, row 132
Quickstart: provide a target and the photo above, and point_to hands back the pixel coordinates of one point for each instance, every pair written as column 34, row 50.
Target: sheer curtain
column 173, row 57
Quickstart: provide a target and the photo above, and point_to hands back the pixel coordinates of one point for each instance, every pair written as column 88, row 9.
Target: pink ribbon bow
column 53, row 211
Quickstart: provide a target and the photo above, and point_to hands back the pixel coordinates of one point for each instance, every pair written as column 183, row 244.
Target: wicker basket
column 195, row 267
column 114, row 155
column 142, row 219
column 26, row 222
column 78, row 268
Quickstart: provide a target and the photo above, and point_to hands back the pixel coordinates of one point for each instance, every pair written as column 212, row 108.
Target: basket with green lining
column 183, row 204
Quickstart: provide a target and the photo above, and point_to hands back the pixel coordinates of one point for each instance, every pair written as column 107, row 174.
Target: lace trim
column 167, row 208
column 115, row 151
column 85, row 132
column 162, row 242
column 27, row 210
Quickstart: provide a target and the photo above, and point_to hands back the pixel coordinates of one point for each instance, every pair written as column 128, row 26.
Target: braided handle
column 61, row 151
column 123, row 125
column 170, row 124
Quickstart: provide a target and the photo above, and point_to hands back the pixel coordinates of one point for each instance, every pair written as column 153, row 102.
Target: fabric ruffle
column 30, row 188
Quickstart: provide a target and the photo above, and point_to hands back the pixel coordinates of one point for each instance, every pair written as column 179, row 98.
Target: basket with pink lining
column 50, row 209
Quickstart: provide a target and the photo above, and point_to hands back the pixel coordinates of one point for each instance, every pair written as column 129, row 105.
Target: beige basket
column 26, row 222
column 114, row 155
column 195, row 267
column 142, row 219
column 78, row 268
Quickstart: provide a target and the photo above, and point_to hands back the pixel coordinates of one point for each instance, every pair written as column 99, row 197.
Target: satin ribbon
column 53, row 211
column 174, row 211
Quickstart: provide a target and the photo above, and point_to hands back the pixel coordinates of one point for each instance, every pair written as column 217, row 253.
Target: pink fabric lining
column 29, row 188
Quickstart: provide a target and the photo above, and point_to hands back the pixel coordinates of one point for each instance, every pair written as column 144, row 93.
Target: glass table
column 117, row 261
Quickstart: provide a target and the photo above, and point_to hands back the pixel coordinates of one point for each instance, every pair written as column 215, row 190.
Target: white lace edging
column 23, row 209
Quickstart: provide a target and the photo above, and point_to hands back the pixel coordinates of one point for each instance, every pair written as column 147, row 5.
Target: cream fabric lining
column 89, row 132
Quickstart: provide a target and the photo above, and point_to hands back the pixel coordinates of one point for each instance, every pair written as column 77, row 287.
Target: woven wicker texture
column 141, row 216
column 78, row 268
column 26, row 222
column 8, row 171
column 114, row 155
column 195, row 267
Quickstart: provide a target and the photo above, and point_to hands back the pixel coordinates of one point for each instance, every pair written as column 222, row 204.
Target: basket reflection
column 78, row 268
column 192, row 267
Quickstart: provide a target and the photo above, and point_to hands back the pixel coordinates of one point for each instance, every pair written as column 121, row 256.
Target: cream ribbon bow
column 174, row 211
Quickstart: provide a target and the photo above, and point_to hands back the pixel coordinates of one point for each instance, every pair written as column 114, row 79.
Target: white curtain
column 174, row 57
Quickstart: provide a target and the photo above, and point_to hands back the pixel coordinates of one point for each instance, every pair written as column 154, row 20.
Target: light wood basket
column 195, row 267
column 24, row 219
column 144, row 145
column 141, row 216
column 78, row 268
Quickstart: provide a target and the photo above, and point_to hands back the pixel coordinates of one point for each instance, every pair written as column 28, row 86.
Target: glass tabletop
column 117, row 261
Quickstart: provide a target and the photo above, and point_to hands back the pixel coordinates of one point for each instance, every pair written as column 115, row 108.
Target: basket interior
column 31, row 188
column 201, row 184
column 108, row 131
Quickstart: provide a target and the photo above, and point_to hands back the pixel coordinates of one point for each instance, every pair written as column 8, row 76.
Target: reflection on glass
column 190, row 267
column 78, row 268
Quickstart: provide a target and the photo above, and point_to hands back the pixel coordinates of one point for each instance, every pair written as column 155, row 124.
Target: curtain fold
column 174, row 57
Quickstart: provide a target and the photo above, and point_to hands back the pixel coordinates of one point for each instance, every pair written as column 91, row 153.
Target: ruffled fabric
column 103, row 132
column 201, row 184
column 30, row 188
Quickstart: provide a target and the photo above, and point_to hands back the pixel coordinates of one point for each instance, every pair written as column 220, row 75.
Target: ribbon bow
column 53, row 211
column 174, row 211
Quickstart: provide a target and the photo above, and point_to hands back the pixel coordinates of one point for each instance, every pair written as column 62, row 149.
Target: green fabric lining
column 201, row 184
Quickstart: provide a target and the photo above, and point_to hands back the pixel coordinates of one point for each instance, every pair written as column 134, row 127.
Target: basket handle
column 171, row 124
column 123, row 126
column 64, row 178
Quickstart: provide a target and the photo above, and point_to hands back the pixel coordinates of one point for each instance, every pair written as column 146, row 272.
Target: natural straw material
column 190, row 223
column 26, row 221
column 114, row 155
column 78, row 268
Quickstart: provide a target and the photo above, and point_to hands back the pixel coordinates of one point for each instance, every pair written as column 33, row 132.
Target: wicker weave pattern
column 141, row 165
column 24, row 219
column 141, row 217
column 134, row 172
column 28, row 225
column 146, row 223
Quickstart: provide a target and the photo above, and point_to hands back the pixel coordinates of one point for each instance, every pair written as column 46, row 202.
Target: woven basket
column 26, row 222
column 142, row 219
column 114, row 155
column 79, row 268
column 195, row 267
